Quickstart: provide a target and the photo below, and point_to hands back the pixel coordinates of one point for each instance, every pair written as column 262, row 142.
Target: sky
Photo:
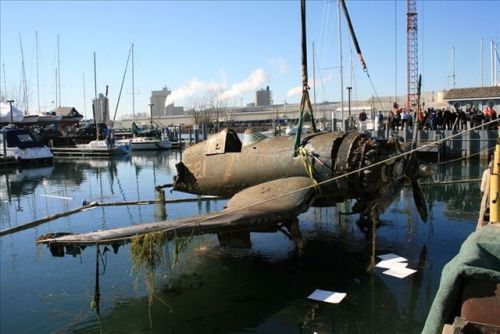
column 223, row 51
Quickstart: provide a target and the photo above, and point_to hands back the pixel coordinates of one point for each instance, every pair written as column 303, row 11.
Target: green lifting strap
column 305, row 87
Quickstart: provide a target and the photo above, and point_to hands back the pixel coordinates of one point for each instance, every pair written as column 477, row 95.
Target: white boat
column 149, row 143
column 104, row 147
column 22, row 146
column 8, row 115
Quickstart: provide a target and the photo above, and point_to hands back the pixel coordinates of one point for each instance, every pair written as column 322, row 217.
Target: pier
column 474, row 144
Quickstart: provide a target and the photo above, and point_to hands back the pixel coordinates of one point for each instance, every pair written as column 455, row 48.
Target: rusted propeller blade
column 418, row 197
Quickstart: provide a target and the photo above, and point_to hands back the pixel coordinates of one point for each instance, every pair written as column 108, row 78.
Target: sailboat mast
column 492, row 63
column 4, row 84
column 55, row 80
column 314, row 76
column 481, row 60
column 25, row 87
column 37, row 72
column 340, row 66
column 84, row 98
column 133, row 87
column 453, row 67
column 95, row 79
column 58, row 70
column 95, row 100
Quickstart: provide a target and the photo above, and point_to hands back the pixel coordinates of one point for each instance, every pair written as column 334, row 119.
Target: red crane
column 412, row 54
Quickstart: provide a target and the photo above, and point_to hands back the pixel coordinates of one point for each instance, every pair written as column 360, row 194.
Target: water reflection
column 212, row 288
column 238, row 291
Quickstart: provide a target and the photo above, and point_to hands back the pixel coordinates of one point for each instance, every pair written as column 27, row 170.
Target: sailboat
column 104, row 147
column 145, row 139
column 148, row 139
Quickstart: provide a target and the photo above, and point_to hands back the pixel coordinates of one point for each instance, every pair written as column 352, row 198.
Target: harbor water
column 201, row 287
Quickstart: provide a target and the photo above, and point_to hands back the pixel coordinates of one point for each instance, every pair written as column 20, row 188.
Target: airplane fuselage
column 222, row 166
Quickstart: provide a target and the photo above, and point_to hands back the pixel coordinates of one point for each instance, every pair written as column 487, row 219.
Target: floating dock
column 78, row 152
column 7, row 161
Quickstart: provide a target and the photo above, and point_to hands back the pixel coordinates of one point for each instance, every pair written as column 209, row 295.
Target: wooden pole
column 93, row 205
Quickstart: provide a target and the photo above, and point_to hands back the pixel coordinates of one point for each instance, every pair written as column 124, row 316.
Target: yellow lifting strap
column 305, row 87
column 304, row 156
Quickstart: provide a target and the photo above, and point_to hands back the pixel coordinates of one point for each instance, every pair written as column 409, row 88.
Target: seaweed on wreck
column 148, row 251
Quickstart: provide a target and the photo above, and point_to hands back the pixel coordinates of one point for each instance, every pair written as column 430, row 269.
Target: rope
column 305, row 86
column 335, row 178
column 304, row 155
column 466, row 157
column 374, row 90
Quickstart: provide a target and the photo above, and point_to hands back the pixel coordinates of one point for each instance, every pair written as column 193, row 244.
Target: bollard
column 196, row 133
column 495, row 186
column 160, row 213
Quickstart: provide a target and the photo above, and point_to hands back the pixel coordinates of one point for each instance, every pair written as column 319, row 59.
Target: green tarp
column 479, row 258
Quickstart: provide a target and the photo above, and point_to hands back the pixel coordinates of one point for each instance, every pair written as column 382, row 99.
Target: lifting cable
column 305, row 101
column 358, row 49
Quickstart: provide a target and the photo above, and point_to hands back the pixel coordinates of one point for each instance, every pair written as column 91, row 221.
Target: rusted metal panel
column 324, row 155
column 225, row 141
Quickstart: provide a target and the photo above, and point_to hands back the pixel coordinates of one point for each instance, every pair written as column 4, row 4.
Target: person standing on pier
column 395, row 116
column 490, row 114
column 380, row 119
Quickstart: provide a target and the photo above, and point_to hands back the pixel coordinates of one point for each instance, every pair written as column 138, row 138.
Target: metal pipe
column 495, row 186
column 11, row 115
column 482, row 72
column 151, row 114
column 133, row 84
column 349, row 105
column 492, row 63
column 58, row 70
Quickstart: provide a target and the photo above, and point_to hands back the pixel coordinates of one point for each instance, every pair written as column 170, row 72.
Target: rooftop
column 492, row 92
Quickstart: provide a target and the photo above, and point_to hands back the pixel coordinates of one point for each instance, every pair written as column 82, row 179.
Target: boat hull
column 149, row 143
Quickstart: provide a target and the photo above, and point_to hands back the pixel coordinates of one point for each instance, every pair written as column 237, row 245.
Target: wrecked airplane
column 269, row 183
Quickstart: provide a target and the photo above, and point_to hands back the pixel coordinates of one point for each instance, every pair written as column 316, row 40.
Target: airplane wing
column 266, row 204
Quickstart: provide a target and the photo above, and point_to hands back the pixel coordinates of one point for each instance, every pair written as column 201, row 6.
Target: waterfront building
column 263, row 97
column 67, row 118
column 478, row 97
column 159, row 107
column 101, row 109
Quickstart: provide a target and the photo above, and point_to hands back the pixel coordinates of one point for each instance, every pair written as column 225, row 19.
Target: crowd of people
column 442, row 119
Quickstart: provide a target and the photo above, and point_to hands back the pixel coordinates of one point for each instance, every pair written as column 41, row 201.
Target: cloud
column 297, row 90
column 254, row 81
column 197, row 87
column 183, row 92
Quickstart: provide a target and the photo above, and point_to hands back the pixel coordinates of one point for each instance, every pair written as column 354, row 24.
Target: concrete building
column 101, row 109
column 263, row 97
column 160, row 109
column 158, row 99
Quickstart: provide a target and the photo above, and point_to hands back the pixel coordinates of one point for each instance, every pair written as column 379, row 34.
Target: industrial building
column 101, row 109
column 263, row 97
column 158, row 104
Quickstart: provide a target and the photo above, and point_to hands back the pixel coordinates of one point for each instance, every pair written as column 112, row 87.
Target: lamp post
column 349, row 104
column 11, row 115
column 151, row 114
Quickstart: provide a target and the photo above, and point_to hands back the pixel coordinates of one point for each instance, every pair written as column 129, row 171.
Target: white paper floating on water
column 399, row 272
column 390, row 264
column 396, row 265
column 392, row 257
column 327, row 296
